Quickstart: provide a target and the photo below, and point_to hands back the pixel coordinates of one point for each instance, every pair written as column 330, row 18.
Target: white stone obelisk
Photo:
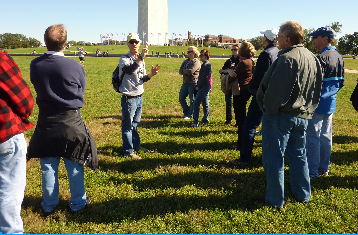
column 153, row 21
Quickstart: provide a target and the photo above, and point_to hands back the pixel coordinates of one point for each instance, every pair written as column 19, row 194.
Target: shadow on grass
column 129, row 167
column 344, row 158
column 171, row 147
column 344, row 139
column 164, row 121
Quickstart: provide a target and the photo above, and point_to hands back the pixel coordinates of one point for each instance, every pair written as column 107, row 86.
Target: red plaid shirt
column 16, row 101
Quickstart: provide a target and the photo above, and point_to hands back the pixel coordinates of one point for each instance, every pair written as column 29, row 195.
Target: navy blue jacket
column 266, row 58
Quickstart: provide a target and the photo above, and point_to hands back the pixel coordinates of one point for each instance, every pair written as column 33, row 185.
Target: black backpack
column 354, row 98
column 117, row 78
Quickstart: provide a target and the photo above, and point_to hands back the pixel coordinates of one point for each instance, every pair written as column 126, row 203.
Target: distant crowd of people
column 293, row 96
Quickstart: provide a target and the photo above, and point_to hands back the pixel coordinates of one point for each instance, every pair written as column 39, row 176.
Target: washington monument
column 153, row 21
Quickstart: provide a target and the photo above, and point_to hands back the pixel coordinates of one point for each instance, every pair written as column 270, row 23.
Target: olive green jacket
column 292, row 85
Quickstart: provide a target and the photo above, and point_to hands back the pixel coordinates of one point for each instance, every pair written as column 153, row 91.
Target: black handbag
column 354, row 98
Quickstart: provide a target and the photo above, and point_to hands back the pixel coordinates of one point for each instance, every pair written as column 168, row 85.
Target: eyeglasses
column 189, row 52
column 132, row 42
column 234, row 49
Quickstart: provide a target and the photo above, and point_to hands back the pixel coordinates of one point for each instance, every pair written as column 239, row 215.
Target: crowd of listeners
column 293, row 97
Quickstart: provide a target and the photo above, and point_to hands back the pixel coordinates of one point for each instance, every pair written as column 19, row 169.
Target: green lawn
column 185, row 185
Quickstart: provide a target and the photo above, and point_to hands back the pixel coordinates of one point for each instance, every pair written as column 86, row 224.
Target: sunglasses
column 132, row 42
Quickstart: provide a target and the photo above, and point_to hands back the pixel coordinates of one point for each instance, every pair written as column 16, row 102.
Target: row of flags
column 109, row 35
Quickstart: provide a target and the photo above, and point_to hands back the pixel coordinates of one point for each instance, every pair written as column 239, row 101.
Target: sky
column 86, row 20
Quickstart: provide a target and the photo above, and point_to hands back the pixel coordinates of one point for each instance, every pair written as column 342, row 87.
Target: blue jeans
column 228, row 102
column 285, row 135
column 131, row 114
column 185, row 90
column 202, row 97
column 319, row 143
column 12, row 183
column 50, row 185
column 252, row 121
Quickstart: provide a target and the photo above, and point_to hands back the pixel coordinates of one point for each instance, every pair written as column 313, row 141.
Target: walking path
column 350, row 71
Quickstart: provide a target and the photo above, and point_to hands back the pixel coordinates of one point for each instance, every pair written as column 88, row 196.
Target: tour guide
column 133, row 66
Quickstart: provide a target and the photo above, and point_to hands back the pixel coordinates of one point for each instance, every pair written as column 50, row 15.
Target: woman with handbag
column 241, row 76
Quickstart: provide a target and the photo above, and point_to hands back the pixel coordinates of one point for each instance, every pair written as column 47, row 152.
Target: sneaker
column 183, row 116
column 143, row 149
column 323, row 173
column 314, row 177
column 195, row 124
column 186, row 118
column 47, row 213
column 258, row 133
column 240, row 164
column 88, row 202
column 203, row 123
column 133, row 156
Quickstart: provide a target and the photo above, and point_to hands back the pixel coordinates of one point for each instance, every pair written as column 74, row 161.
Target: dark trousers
column 252, row 121
column 240, row 102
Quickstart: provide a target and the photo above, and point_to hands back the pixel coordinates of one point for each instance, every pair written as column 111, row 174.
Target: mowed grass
column 184, row 185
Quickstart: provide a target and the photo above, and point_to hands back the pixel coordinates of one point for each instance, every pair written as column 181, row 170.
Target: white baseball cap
column 270, row 33
column 133, row 36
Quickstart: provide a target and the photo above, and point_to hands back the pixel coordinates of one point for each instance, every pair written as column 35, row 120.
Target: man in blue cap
column 319, row 131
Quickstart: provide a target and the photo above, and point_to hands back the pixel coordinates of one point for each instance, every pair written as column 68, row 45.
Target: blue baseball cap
column 323, row 31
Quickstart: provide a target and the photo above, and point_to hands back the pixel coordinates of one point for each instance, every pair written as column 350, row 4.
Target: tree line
column 347, row 44
column 12, row 41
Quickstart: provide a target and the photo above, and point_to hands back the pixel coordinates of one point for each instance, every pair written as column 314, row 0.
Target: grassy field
column 184, row 185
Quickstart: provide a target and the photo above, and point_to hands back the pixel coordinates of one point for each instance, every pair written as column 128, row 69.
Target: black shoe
column 260, row 199
column 228, row 122
column 88, row 202
column 259, row 158
column 240, row 164
column 47, row 213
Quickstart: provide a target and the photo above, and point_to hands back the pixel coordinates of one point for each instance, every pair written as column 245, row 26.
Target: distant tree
column 80, row 43
column 12, row 41
column 34, row 42
column 348, row 44
column 307, row 42
column 257, row 43
column 72, row 43
column 336, row 27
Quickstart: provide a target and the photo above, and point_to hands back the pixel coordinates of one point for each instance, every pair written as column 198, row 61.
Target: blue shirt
column 333, row 79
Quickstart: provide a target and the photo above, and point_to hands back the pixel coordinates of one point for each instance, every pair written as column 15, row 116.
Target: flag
column 166, row 34
column 174, row 34
column 159, row 34
column 144, row 33
column 180, row 35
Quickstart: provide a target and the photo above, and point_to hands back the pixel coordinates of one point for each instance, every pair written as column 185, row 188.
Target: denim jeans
column 12, row 183
column 252, row 121
column 131, row 114
column 285, row 135
column 228, row 102
column 319, row 143
column 185, row 90
column 202, row 97
column 50, row 185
